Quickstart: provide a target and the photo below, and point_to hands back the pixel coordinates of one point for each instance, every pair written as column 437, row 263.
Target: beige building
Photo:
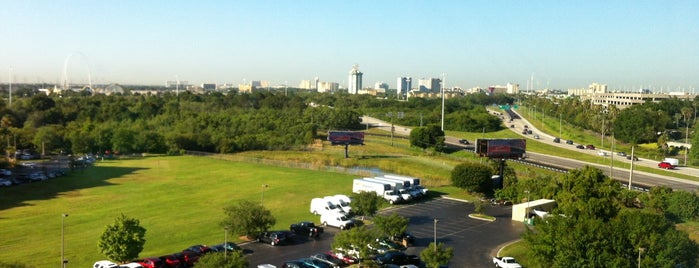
column 599, row 94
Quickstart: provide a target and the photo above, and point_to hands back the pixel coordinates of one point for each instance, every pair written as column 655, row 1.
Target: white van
column 344, row 202
column 320, row 206
column 336, row 220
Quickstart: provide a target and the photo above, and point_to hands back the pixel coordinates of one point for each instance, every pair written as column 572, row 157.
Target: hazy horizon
column 624, row 44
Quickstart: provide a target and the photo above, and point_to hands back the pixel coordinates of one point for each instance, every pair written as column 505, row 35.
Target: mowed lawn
column 179, row 200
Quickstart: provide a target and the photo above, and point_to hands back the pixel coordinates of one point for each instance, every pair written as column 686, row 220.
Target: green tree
column 472, row 177
column 587, row 192
column 248, row 218
column 391, row 225
column 123, row 240
column 365, row 203
column 355, row 239
column 436, row 255
column 235, row 259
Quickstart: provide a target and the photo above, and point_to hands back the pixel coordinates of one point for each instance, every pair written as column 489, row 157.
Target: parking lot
column 474, row 241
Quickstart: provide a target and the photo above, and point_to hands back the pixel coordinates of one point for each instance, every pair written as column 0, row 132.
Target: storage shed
column 522, row 211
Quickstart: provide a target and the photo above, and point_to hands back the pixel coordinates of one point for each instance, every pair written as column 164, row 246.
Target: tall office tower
column 317, row 81
column 403, row 86
column 355, row 80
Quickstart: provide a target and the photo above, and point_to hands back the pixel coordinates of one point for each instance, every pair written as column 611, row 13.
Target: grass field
column 179, row 200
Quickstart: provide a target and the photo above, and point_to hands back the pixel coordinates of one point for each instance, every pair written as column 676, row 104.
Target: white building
column 403, row 85
column 355, row 80
column 430, row 85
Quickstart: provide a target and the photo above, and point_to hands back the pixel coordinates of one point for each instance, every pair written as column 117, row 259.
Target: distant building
column 208, row 87
column 328, row 87
column 598, row 94
column 430, row 85
column 403, row 85
column 308, row 84
column 381, row 85
column 355, row 80
column 174, row 84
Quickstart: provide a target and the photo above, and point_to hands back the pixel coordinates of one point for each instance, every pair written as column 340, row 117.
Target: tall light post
column 63, row 241
column 225, row 243
column 435, row 234
column 444, row 76
column 10, row 80
column 640, row 250
column 560, row 125
column 262, row 195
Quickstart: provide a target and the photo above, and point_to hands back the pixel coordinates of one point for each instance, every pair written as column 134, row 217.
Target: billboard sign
column 346, row 137
column 501, row 148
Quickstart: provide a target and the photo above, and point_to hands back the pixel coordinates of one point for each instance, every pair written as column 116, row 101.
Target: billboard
column 346, row 137
column 501, row 148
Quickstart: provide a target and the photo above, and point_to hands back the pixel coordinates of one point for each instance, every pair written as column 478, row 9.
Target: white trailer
column 408, row 186
column 415, row 182
column 395, row 185
column 381, row 189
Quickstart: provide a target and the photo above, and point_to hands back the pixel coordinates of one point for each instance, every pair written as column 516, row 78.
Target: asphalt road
column 474, row 241
column 644, row 178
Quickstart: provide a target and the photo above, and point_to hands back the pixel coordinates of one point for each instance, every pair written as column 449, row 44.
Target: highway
column 639, row 178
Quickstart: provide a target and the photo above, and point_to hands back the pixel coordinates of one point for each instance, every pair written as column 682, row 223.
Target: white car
column 105, row 264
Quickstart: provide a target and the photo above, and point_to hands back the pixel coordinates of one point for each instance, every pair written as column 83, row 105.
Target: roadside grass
column 520, row 251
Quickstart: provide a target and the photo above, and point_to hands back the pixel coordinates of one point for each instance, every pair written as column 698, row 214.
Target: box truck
column 395, row 185
column 415, row 182
column 408, row 186
column 381, row 189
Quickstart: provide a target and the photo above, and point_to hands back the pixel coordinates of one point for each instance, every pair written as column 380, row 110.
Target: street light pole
column 225, row 243
column 640, row 250
column 435, row 234
column 63, row 241
column 560, row 125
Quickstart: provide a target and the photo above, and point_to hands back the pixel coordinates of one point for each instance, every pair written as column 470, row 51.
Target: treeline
column 213, row 122
column 637, row 124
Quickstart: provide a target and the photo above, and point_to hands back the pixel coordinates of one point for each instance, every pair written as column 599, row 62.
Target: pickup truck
column 306, row 228
column 506, row 262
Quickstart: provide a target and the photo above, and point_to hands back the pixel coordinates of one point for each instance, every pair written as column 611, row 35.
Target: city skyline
column 624, row 44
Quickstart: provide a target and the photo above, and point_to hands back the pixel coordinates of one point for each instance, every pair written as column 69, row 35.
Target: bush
column 473, row 177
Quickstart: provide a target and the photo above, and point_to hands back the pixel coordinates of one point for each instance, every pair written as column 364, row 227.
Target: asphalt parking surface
column 475, row 242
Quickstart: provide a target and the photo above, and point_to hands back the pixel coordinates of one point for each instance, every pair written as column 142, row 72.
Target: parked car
column 131, row 265
column 331, row 260
column 276, row 237
column 228, row 246
column 405, row 238
column 36, row 176
column 590, row 147
column 4, row 182
column 150, row 262
column 198, row 249
column 346, row 259
column 306, row 228
column 665, row 165
column 170, row 261
column 557, row 140
column 390, row 244
column 315, row 263
column 187, row 257
column 397, row 257
column 569, row 142
column 105, row 264
column 5, row 172
column 294, row 264
column 580, row 146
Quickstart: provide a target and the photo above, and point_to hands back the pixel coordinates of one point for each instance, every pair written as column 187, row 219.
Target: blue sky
column 564, row 44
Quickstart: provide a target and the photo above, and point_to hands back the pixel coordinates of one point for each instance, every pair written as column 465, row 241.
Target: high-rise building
column 404, row 84
column 430, row 85
column 355, row 80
